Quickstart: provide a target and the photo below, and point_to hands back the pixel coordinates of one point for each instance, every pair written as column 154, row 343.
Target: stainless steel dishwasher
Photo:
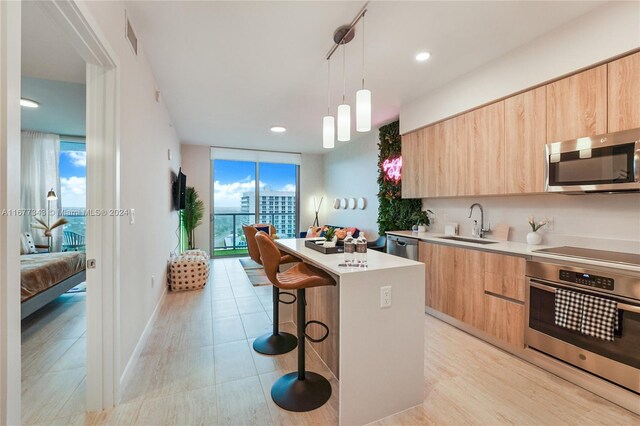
column 402, row 246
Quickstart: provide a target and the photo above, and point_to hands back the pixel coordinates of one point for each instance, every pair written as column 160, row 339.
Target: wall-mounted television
column 179, row 190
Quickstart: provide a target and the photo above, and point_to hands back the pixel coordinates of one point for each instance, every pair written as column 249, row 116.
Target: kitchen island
column 377, row 353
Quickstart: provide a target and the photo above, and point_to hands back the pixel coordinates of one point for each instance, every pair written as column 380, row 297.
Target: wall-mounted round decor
column 336, row 203
column 362, row 203
column 343, row 203
column 352, row 203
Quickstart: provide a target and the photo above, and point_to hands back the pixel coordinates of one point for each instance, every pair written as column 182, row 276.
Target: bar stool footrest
column 297, row 395
column 321, row 324
column 288, row 294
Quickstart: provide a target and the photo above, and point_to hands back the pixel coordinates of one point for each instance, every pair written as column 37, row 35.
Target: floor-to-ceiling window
column 255, row 191
column 73, row 197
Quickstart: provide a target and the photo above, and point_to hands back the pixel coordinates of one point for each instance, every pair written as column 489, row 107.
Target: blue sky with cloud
column 232, row 178
column 73, row 178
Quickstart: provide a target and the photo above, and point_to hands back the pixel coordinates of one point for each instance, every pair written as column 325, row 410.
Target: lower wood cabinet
column 504, row 320
column 484, row 290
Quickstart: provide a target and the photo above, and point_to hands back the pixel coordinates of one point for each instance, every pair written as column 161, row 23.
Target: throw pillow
column 341, row 233
column 313, row 232
column 264, row 228
column 27, row 240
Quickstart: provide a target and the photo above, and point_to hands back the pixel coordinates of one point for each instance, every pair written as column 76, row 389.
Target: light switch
column 132, row 216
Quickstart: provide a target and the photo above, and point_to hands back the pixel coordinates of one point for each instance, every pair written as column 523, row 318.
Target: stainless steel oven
column 617, row 361
column 605, row 163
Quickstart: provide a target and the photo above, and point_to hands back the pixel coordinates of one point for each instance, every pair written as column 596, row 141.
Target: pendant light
column 344, row 110
column 363, row 99
column 328, row 122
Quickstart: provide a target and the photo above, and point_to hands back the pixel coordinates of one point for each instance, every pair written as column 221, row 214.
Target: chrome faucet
column 478, row 232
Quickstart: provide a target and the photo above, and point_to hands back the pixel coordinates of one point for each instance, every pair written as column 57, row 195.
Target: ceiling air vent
column 131, row 35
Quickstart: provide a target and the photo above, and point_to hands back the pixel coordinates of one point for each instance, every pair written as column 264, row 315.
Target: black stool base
column 275, row 344
column 301, row 395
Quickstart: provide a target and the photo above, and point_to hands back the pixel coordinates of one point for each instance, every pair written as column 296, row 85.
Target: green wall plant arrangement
column 192, row 215
column 394, row 213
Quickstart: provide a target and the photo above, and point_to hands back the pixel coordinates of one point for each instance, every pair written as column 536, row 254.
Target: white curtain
column 39, row 173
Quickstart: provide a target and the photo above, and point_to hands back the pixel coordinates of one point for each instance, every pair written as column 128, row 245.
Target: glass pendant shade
column 363, row 110
column 344, row 123
column 328, row 132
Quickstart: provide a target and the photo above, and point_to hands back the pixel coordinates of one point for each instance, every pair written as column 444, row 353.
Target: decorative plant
column 422, row 217
column 536, row 225
column 329, row 234
column 192, row 215
column 48, row 228
column 394, row 213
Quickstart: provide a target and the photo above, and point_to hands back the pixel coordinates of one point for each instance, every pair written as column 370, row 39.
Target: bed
column 45, row 276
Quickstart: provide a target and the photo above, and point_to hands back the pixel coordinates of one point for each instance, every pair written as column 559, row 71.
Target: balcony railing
column 228, row 236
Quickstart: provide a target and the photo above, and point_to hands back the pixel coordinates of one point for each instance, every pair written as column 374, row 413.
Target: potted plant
column 533, row 238
column 330, row 237
column 422, row 220
column 192, row 215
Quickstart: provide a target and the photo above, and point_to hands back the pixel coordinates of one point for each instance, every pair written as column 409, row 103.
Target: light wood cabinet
column 504, row 275
column 419, row 168
column 623, row 78
column 485, row 150
column 451, row 157
column 413, row 165
column 504, row 320
column 577, row 105
column 454, row 282
column 472, row 286
column 525, row 127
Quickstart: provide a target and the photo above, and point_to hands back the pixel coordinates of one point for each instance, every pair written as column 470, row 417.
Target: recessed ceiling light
column 278, row 129
column 423, row 56
column 28, row 103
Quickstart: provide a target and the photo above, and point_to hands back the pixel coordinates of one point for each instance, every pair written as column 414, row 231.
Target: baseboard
column 128, row 370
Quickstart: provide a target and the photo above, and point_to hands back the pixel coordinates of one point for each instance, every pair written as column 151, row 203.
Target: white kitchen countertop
column 376, row 260
column 511, row 248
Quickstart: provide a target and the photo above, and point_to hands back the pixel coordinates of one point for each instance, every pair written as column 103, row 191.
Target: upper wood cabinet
column 485, row 151
column 577, row 105
column 525, row 127
column 451, row 157
column 624, row 93
column 413, row 164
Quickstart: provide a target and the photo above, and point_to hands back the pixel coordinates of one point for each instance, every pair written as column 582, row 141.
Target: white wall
column 351, row 170
column 607, row 31
column 145, row 179
column 605, row 221
column 197, row 166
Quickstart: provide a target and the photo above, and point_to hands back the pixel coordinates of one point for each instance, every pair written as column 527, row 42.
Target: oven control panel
column 587, row 279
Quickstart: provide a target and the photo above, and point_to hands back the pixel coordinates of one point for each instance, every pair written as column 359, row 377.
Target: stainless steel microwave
column 605, row 163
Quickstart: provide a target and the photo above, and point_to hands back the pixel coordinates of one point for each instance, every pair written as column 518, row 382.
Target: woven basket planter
column 189, row 271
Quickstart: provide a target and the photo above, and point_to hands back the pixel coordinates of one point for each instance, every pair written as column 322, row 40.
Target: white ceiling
column 228, row 71
column 46, row 52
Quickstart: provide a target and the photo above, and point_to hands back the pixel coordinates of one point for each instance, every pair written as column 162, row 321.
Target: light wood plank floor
column 54, row 360
column 198, row 367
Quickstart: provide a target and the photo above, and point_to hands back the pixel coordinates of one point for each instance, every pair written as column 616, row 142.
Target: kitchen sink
column 468, row 240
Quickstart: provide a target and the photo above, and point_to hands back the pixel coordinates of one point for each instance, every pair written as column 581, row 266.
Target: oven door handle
column 622, row 306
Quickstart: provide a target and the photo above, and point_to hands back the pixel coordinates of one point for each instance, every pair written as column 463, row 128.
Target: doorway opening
column 53, row 198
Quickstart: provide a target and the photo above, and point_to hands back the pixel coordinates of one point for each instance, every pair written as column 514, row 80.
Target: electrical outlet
column 385, row 297
column 153, row 281
column 550, row 224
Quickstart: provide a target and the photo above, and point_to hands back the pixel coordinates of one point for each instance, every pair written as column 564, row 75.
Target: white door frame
column 103, row 196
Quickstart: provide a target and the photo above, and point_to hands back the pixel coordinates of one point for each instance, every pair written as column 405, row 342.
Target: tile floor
column 198, row 367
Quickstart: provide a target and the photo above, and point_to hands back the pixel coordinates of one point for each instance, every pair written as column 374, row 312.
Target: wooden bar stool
column 302, row 390
column 276, row 342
